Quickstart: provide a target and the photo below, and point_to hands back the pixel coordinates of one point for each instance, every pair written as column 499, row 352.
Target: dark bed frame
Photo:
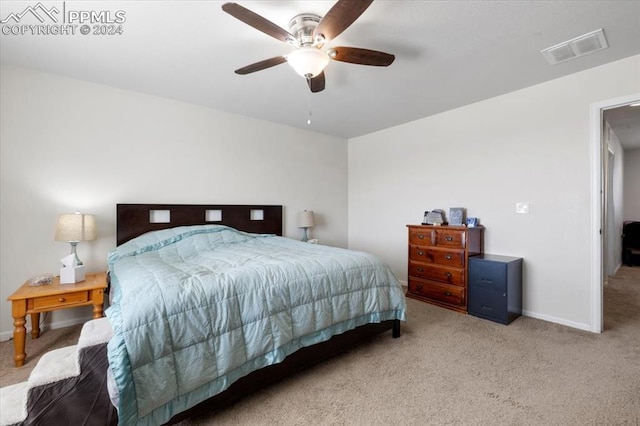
column 134, row 220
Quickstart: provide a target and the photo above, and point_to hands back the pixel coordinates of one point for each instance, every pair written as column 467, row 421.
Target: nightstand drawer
column 450, row 294
column 60, row 300
column 443, row 257
column 444, row 274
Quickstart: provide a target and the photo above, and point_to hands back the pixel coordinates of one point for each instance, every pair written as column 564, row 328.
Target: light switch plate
column 522, row 207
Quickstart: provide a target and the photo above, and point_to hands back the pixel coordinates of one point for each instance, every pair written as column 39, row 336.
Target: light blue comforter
column 196, row 308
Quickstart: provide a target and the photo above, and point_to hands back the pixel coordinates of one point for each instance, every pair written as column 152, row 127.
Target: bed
column 275, row 296
column 210, row 303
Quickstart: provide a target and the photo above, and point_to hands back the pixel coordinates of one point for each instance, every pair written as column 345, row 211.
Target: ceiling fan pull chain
column 309, row 113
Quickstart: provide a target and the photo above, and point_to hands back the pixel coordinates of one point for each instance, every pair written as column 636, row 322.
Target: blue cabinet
column 495, row 287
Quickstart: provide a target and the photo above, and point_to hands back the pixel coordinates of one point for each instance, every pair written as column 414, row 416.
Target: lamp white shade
column 308, row 61
column 305, row 219
column 76, row 227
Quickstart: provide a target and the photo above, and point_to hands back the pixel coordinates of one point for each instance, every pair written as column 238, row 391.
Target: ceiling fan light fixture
column 308, row 32
column 308, row 62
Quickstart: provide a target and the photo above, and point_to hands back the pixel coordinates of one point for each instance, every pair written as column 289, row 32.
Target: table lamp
column 305, row 221
column 74, row 227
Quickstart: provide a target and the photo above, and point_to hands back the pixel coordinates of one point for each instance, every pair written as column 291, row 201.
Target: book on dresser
column 438, row 263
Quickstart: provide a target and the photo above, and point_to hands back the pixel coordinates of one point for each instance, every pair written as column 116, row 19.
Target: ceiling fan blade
column 259, row 66
column 355, row 55
column 340, row 17
column 258, row 22
column 316, row 84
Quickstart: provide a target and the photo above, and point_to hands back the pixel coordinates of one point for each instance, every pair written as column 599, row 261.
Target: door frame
column 597, row 203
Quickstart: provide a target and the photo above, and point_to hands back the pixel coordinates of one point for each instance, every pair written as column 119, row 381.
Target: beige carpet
column 452, row 369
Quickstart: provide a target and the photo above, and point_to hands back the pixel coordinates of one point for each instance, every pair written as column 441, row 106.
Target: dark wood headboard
column 133, row 220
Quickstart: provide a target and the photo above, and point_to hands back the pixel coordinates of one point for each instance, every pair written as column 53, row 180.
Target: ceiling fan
column 309, row 33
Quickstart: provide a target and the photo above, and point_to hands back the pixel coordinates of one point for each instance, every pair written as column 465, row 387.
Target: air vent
column 579, row 46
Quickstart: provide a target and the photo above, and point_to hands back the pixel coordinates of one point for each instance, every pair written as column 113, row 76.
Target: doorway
column 601, row 198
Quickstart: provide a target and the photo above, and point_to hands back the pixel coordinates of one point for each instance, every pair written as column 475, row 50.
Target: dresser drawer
column 421, row 236
column 443, row 257
column 60, row 300
column 450, row 238
column 445, row 293
column 444, row 274
column 487, row 275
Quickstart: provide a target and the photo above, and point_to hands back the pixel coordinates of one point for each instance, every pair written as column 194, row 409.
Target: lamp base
column 72, row 275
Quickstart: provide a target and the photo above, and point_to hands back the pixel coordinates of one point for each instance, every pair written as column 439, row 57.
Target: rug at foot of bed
column 63, row 383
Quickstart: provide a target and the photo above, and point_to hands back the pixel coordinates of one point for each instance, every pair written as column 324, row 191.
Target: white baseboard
column 8, row 335
column 561, row 321
column 617, row 269
column 536, row 315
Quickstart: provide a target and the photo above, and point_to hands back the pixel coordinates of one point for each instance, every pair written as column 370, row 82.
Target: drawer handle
column 448, row 274
column 449, row 238
column 421, row 236
column 421, row 269
column 61, row 299
column 420, row 253
column 447, row 293
column 448, row 257
column 419, row 287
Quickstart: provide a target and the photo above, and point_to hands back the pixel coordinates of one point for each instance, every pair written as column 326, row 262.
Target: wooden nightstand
column 33, row 300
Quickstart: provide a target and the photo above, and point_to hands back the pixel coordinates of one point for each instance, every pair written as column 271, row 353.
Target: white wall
column 70, row 145
column 615, row 156
column 530, row 145
column 632, row 184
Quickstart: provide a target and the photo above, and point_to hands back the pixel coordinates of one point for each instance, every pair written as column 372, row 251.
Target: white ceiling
column 448, row 54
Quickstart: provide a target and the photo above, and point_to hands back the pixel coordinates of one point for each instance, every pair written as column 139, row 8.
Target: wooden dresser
column 438, row 263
